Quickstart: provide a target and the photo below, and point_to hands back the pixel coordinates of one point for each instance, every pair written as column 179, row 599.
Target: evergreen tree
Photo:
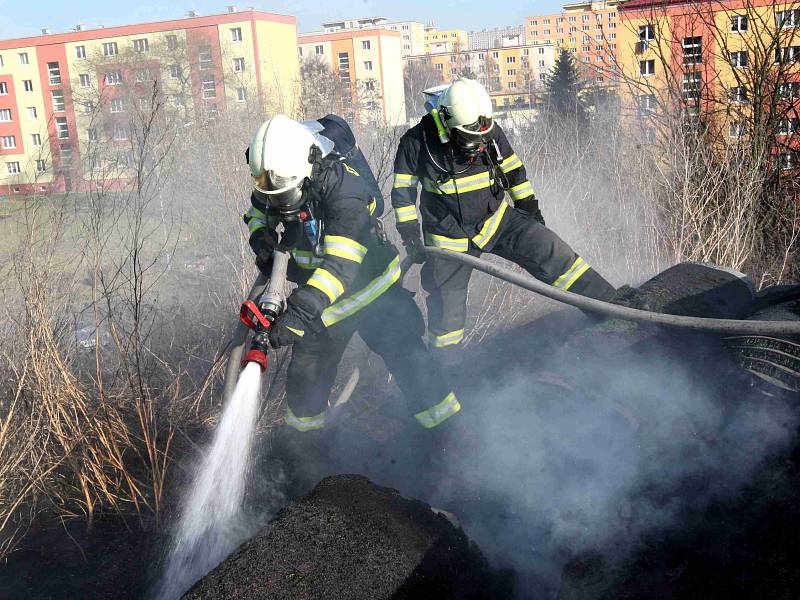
column 564, row 88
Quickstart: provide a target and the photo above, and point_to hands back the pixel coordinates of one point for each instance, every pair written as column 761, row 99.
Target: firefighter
column 348, row 275
column 467, row 168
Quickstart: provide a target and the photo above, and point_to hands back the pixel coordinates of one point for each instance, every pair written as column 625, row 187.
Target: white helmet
column 280, row 160
column 466, row 112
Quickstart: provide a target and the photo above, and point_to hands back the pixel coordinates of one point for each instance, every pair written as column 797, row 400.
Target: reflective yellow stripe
column 255, row 213
column 372, row 206
column 441, row 412
column 305, row 259
column 255, row 219
column 401, row 180
column 441, row 241
column 461, row 185
column 350, row 169
column 297, row 332
column 343, row 247
column 352, row 304
column 405, row 213
column 578, row 268
column 326, row 283
column 511, row 163
column 523, row 190
column 447, row 339
column 255, row 224
column 304, row 423
column 490, row 227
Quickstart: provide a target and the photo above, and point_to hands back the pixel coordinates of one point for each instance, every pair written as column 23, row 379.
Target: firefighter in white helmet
column 475, row 198
column 348, row 275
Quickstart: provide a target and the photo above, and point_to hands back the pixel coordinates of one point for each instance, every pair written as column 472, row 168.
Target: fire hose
column 615, row 311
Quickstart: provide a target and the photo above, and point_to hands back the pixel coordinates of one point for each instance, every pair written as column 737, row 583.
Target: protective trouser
column 522, row 240
column 392, row 327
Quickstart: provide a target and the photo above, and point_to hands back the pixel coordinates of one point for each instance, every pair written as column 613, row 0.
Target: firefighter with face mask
column 348, row 276
column 475, row 198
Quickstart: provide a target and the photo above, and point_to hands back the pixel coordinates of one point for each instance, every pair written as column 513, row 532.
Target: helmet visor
column 284, row 194
column 473, row 137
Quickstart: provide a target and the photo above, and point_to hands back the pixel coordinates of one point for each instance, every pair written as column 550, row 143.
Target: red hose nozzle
column 255, row 356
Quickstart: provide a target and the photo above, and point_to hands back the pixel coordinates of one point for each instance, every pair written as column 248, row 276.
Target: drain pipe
column 722, row 326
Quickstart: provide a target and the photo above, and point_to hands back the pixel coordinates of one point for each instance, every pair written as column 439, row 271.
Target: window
column 5, row 115
column 692, row 50
column 647, row 67
column 13, row 168
column 511, row 72
column 344, row 61
column 511, row 59
column 739, row 60
column 174, row 72
column 739, row 23
column 41, row 166
column 117, row 105
column 92, row 133
column 144, row 75
column 512, row 85
column 84, row 80
column 3, row 88
column 112, row 78
column 541, row 64
column 120, row 133
column 369, row 85
column 787, row 55
column 209, row 87
column 236, row 34
column 786, row 161
column 598, row 59
column 787, row 18
column 110, row 49
column 88, row 107
column 179, row 100
column 738, row 95
column 241, row 94
column 541, row 50
column 692, row 84
column 23, row 58
column 80, row 52
column 495, row 55
column 365, row 45
column 453, row 58
column 62, row 128
column 368, row 64
column 58, row 100
column 172, row 42
column 145, row 103
column 788, row 126
column 36, row 140
column 54, row 73
column 736, row 129
column 647, row 102
column 9, row 142
column 789, row 91
column 319, row 50
column 32, row 114
column 204, row 58
column 141, row 45
column 542, row 77
column 27, row 85
column 238, row 65
column 439, row 66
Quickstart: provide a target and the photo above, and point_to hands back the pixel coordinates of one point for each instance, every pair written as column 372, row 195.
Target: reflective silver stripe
column 327, row 283
column 402, row 180
column 347, row 306
column 304, row 423
column 447, row 339
column 578, row 268
column 490, row 227
column 337, row 245
column 523, row 190
column 446, row 243
column 305, row 259
column 441, row 412
column 405, row 213
column 511, row 163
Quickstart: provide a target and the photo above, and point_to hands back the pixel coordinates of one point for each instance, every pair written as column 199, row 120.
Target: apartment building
column 369, row 63
column 496, row 38
column 588, row 30
column 54, row 86
column 412, row 34
column 449, row 40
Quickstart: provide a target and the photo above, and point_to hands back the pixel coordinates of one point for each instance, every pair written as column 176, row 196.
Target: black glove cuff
column 409, row 231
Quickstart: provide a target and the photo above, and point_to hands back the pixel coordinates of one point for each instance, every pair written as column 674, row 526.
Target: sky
column 19, row 18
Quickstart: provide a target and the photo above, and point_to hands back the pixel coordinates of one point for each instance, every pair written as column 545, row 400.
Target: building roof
column 321, row 36
column 645, row 4
column 142, row 28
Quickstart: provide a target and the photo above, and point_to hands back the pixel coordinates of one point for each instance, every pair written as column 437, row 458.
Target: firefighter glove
column 285, row 331
column 263, row 242
column 530, row 206
column 409, row 232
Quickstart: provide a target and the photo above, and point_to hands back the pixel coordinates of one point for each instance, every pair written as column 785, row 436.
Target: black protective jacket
column 462, row 201
column 354, row 266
